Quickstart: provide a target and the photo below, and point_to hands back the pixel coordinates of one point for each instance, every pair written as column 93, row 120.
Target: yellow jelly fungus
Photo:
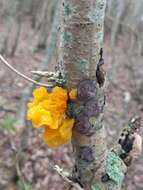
column 73, row 94
column 48, row 110
column 39, row 116
column 59, row 93
column 52, row 138
column 56, row 137
column 40, row 94
column 66, row 129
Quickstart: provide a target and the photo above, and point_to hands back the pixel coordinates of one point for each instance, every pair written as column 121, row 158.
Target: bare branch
column 44, row 73
column 65, row 176
column 22, row 75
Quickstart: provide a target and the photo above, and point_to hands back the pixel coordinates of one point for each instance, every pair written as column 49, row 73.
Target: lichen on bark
column 115, row 169
column 96, row 187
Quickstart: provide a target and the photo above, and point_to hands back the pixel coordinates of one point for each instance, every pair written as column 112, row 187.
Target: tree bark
column 81, row 63
column 81, row 42
column 81, row 38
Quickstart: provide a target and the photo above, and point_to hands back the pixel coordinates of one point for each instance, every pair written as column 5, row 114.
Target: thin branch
column 44, row 73
column 65, row 176
column 22, row 75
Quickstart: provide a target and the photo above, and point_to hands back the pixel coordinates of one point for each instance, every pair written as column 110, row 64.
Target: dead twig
column 65, row 176
column 3, row 60
column 44, row 73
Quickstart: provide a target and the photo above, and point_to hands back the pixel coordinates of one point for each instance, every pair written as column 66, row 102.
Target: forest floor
column 124, row 99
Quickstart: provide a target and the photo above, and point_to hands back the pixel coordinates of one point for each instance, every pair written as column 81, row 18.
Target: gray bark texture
column 81, row 63
column 81, row 42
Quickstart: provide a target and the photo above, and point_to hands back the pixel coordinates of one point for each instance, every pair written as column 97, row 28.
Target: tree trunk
column 80, row 57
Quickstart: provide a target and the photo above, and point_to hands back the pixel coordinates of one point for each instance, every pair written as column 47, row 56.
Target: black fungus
column 86, row 154
column 87, row 89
